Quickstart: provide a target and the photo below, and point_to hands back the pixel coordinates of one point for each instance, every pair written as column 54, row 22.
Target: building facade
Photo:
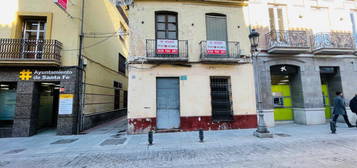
column 41, row 84
column 189, row 66
column 307, row 53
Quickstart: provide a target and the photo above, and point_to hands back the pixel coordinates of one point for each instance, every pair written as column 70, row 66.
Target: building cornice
column 217, row 2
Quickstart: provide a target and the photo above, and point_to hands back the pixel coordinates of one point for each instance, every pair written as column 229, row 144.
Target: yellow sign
column 65, row 104
column 25, row 74
column 66, row 96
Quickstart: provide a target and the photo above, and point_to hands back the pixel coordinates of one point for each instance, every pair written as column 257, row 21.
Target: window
column 122, row 64
column 7, row 104
column 33, row 34
column 276, row 19
column 123, row 32
column 216, row 27
column 166, row 25
column 353, row 16
column 125, row 99
column 277, row 22
column 221, row 99
column 117, row 87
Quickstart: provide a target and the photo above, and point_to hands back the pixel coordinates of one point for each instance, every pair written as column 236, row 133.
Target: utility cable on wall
column 94, row 44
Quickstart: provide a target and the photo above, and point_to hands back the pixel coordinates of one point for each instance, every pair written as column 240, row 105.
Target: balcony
column 22, row 52
column 332, row 43
column 166, row 51
column 221, row 52
column 287, row 42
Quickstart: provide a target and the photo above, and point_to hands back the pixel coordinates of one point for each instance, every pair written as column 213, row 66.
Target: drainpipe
column 80, row 72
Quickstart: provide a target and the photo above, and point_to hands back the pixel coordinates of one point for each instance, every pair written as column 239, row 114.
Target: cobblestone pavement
column 292, row 146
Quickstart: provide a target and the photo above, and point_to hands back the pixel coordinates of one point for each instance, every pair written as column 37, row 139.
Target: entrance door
column 168, row 103
column 282, row 102
column 48, row 106
column 326, row 99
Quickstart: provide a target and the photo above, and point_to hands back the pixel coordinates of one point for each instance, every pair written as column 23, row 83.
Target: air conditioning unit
column 123, row 2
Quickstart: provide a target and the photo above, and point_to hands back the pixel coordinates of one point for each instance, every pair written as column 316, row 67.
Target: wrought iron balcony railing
column 333, row 42
column 287, row 39
column 162, row 50
column 220, row 52
column 30, row 50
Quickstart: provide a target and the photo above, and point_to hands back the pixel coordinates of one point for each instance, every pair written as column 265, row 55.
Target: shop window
column 221, row 99
column 7, row 103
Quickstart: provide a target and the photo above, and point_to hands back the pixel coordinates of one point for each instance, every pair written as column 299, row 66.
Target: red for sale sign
column 61, row 3
column 216, row 47
column 166, row 47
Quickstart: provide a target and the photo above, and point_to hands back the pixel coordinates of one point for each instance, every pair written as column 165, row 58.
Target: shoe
column 351, row 126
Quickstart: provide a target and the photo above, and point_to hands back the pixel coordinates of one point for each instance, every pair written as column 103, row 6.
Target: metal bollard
column 200, row 134
column 150, row 137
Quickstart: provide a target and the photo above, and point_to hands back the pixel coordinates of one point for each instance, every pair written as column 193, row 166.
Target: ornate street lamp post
column 262, row 130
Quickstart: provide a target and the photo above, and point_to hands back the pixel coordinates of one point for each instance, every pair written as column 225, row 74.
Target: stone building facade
column 307, row 54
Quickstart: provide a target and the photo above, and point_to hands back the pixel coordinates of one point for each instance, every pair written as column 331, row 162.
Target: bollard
column 200, row 134
column 150, row 137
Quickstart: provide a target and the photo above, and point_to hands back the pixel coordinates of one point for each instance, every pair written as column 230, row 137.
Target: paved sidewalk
column 105, row 146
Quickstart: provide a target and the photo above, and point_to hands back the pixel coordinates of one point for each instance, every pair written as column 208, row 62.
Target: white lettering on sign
column 166, row 47
column 216, row 47
column 66, row 104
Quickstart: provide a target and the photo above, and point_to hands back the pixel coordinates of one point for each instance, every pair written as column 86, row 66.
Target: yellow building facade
column 189, row 66
column 42, row 85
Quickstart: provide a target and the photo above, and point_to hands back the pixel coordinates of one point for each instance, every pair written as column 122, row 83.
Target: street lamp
column 262, row 130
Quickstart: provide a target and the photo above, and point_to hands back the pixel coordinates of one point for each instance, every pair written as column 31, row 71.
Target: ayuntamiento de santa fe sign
column 61, row 3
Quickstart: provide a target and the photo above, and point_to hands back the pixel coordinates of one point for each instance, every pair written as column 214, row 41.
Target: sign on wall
column 65, row 104
column 61, row 3
column 216, row 47
column 166, row 47
column 27, row 74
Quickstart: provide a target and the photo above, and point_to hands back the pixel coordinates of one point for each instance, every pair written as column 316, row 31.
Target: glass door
column 33, row 39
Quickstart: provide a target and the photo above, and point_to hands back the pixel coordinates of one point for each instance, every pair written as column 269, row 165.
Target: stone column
column 67, row 123
column 26, row 113
column 309, row 109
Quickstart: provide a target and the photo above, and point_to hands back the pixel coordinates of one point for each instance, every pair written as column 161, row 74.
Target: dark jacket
column 353, row 104
column 339, row 105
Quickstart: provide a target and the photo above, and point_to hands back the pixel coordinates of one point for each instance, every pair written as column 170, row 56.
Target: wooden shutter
column 272, row 23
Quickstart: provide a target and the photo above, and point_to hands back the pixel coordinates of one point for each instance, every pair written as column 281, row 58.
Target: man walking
column 339, row 109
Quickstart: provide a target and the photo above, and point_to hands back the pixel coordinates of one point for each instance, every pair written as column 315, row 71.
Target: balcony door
column 33, row 38
column 217, row 38
column 277, row 21
column 166, row 34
